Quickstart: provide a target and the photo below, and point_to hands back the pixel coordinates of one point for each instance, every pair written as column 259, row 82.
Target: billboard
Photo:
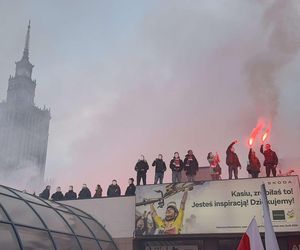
column 214, row 207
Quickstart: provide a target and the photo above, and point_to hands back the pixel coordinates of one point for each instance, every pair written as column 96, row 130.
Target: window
column 52, row 219
column 6, row 191
column 20, row 212
column 66, row 242
column 34, row 239
column 56, row 205
column 227, row 244
column 88, row 243
column 97, row 230
column 76, row 224
column 107, row 245
column 7, row 237
column 77, row 211
column 2, row 215
column 30, row 197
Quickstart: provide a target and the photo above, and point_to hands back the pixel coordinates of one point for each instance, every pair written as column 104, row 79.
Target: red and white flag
column 251, row 239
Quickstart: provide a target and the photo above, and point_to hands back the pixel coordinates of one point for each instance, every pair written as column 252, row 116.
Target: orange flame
column 250, row 141
column 265, row 136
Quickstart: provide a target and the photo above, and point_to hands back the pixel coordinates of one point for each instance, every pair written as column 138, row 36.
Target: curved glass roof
column 29, row 222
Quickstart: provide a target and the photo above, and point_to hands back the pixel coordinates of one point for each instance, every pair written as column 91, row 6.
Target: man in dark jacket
column 58, row 195
column 176, row 165
column 160, row 168
column 113, row 189
column 232, row 161
column 46, row 193
column 84, row 193
column 271, row 159
column 70, row 195
column 190, row 166
column 141, row 167
column 130, row 191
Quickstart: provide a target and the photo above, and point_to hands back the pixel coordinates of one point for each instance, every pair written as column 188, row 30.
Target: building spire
column 26, row 48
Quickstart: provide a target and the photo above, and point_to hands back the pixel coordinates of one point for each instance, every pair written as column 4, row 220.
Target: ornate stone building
column 24, row 127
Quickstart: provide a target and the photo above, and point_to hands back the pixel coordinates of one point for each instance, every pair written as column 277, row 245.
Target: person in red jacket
column 271, row 159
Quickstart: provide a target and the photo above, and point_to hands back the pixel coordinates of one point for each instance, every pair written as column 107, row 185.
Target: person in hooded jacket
column 271, row 159
column 70, row 195
column 176, row 165
column 58, row 195
column 254, row 164
column 232, row 161
column 141, row 167
column 160, row 168
column 98, row 192
column 190, row 166
column 114, row 189
column 84, row 193
column 130, row 191
column 46, row 193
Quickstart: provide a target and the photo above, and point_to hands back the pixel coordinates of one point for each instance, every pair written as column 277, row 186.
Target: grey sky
column 129, row 77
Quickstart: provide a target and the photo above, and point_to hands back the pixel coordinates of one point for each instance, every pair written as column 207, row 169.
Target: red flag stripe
column 244, row 243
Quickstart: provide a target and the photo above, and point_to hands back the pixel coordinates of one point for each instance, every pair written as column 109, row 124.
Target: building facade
column 24, row 127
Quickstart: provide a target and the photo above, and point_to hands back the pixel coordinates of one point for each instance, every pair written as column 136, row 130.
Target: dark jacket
column 271, row 158
column 57, row 196
column 113, row 190
column 253, row 162
column 130, row 191
column 84, row 193
column 232, row 159
column 174, row 167
column 98, row 193
column 160, row 166
column 45, row 194
column 70, row 195
column 141, row 166
column 190, row 166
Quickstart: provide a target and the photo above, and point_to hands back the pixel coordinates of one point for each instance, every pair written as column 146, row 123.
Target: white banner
column 226, row 206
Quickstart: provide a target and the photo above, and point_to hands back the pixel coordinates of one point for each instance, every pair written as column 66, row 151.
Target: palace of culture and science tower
column 24, row 127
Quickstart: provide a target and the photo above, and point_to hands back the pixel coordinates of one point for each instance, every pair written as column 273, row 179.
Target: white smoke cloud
column 158, row 78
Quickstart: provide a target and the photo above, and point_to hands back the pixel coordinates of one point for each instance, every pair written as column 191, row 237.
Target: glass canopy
column 29, row 222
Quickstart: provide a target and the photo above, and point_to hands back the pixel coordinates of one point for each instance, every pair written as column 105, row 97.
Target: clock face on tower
column 23, row 72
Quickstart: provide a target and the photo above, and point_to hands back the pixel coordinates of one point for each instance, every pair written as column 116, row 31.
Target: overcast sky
column 129, row 77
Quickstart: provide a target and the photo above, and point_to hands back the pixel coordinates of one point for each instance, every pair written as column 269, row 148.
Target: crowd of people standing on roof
column 113, row 190
column 189, row 165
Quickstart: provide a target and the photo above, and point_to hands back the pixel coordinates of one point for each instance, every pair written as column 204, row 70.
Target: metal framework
column 102, row 241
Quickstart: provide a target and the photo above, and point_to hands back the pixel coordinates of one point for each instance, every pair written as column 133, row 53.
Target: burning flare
column 250, row 141
column 265, row 136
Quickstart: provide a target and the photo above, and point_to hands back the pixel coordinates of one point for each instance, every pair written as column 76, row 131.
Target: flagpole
column 270, row 237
